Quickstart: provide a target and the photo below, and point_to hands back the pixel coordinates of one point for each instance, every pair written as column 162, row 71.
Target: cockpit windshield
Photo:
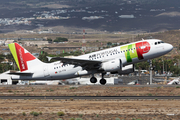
column 159, row 42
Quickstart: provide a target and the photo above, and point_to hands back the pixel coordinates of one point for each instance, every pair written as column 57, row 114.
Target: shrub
column 31, row 113
column 1, row 118
column 61, row 113
column 40, row 113
column 34, row 113
column 10, row 91
column 72, row 88
column 117, row 119
column 51, row 90
column 24, row 114
column 72, row 119
column 78, row 119
column 177, row 86
column 149, row 94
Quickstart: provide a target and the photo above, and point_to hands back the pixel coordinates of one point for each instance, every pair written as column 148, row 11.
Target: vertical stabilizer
column 22, row 57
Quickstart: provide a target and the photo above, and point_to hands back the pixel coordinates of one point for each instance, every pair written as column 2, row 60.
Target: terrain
column 89, row 90
column 98, row 15
column 71, row 109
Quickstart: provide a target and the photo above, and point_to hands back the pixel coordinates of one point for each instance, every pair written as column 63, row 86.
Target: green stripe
column 129, row 59
column 14, row 53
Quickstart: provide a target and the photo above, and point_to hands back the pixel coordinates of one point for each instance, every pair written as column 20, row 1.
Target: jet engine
column 112, row 65
column 125, row 70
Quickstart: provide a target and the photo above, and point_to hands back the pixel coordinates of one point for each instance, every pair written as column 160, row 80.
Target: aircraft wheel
column 103, row 81
column 93, row 80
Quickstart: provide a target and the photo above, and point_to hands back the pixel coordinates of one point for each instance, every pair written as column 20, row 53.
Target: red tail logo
column 23, row 57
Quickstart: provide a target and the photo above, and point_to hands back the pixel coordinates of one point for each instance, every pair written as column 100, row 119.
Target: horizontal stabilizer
column 12, row 72
column 49, row 58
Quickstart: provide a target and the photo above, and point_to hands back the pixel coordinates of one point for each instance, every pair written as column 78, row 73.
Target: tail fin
column 22, row 57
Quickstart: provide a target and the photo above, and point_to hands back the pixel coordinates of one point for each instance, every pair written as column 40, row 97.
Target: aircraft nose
column 169, row 47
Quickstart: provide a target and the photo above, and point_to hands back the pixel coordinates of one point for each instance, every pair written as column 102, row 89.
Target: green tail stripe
column 13, row 51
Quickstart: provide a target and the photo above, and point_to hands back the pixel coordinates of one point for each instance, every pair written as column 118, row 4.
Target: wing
column 86, row 64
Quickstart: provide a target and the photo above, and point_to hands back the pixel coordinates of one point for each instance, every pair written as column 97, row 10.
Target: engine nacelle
column 127, row 69
column 112, row 65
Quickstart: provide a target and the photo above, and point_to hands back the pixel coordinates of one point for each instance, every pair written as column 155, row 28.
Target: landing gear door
column 45, row 70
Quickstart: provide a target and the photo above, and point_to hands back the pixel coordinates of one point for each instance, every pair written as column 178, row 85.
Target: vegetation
column 78, row 119
column 24, row 114
column 170, row 65
column 34, row 113
column 60, row 39
column 61, row 113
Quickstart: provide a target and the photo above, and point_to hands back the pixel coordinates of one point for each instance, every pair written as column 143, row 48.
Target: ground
column 89, row 109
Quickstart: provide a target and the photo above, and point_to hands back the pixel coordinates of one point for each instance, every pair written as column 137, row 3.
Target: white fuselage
column 58, row 70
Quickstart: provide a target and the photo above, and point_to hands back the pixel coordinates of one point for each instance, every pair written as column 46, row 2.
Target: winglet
column 21, row 56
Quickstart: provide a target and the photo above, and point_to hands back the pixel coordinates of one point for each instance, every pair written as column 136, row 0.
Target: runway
column 92, row 97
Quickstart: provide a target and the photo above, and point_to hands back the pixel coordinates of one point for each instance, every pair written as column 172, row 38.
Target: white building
column 5, row 79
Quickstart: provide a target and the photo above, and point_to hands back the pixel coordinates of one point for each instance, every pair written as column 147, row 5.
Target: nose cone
column 169, row 47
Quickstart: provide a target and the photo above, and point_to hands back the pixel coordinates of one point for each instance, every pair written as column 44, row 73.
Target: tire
column 93, row 80
column 103, row 81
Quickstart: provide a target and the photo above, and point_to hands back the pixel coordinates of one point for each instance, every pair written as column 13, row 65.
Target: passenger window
column 158, row 42
column 155, row 43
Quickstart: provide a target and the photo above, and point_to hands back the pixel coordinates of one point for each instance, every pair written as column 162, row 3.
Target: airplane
column 117, row 60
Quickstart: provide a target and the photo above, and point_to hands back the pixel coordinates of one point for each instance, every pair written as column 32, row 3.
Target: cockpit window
column 162, row 42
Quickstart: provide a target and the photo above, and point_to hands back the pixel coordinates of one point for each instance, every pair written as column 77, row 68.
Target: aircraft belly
column 66, row 73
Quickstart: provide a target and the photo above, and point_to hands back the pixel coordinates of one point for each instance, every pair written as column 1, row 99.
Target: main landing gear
column 102, row 80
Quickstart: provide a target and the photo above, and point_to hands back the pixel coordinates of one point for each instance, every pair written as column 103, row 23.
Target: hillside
column 100, row 15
